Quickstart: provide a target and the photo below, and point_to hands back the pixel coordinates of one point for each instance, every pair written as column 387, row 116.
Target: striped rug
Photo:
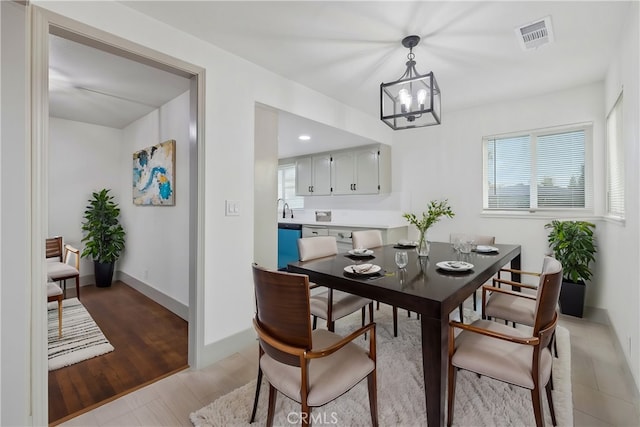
column 81, row 339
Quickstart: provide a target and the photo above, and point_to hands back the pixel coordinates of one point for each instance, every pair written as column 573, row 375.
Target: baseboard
column 601, row 315
column 164, row 300
column 218, row 350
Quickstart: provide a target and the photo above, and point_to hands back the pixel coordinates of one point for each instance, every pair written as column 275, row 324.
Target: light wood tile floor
column 603, row 392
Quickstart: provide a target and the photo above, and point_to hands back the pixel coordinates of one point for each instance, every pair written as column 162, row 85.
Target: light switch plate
column 232, row 208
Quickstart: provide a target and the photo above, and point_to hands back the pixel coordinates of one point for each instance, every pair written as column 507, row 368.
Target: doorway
column 46, row 24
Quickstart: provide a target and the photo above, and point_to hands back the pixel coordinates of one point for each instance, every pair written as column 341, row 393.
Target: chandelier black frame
column 413, row 100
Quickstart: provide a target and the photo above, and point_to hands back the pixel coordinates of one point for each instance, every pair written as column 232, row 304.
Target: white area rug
column 81, row 339
column 479, row 401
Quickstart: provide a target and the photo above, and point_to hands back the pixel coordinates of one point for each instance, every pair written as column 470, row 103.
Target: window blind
column 615, row 162
column 542, row 169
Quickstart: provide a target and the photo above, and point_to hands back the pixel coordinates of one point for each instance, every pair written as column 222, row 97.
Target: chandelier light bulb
column 422, row 96
column 405, row 100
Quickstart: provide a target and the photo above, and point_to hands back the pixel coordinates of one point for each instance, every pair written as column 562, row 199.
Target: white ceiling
column 345, row 49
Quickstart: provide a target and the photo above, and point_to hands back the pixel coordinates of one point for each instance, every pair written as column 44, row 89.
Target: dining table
column 422, row 287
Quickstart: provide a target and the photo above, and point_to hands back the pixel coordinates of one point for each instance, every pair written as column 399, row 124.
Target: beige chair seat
column 343, row 304
column 53, row 290
column 60, row 270
column 329, row 376
column 503, row 360
column 508, row 307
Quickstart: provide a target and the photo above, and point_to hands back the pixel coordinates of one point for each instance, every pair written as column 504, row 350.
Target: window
column 287, row 186
column 615, row 162
column 537, row 170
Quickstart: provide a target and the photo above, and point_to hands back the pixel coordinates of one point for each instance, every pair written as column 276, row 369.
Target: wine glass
column 402, row 259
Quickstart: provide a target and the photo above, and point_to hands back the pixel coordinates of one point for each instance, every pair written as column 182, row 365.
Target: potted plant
column 104, row 236
column 573, row 245
column 435, row 211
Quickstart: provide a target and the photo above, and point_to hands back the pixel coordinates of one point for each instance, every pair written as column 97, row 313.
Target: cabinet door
column 342, row 176
column 366, row 171
column 304, row 176
column 321, row 185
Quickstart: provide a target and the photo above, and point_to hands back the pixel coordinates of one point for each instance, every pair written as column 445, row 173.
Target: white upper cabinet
column 313, row 175
column 356, row 171
column 360, row 170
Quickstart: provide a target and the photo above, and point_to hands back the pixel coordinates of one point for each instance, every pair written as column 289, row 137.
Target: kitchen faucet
column 284, row 208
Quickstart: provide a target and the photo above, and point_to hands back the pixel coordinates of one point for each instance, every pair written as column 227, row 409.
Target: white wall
column 446, row 162
column 619, row 242
column 15, row 322
column 157, row 242
column 83, row 158
column 233, row 86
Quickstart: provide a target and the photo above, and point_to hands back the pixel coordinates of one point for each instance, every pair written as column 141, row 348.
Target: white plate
column 454, row 265
column 362, row 269
column 486, row 249
column 367, row 252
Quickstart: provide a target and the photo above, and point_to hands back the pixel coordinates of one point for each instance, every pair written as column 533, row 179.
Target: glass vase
column 423, row 245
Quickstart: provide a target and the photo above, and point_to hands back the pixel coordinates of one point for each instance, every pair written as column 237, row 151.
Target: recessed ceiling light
column 304, row 137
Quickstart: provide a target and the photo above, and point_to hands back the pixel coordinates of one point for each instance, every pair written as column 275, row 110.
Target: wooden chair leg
column 273, row 394
column 395, row 321
column 373, row 397
column 451, row 393
column 59, row 316
column 551, row 408
column 536, row 397
column 255, row 400
column 305, row 414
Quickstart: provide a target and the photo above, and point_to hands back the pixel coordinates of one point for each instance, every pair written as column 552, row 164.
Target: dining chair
column 54, row 293
column 330, row 305
column 370, row 239
column 312, row 367
column 517, row 304
column 478, row 239
column 519, row 357
column 58, row 267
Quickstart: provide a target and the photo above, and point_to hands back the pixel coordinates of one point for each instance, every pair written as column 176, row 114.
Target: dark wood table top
column 421, row 286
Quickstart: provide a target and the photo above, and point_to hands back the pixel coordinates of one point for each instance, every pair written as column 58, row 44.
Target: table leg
column 516, row 277
column 434, row 364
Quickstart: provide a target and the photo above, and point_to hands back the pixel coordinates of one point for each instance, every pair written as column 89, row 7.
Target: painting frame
column 154, row 175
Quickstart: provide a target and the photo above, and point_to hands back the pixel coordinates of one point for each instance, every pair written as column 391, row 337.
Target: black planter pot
column 103, row 273
column 572, row 298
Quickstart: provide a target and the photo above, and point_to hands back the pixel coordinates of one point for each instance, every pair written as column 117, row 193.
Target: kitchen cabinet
column 356, row 171
column 343, row 234
column 359, row 170
column 313, row 175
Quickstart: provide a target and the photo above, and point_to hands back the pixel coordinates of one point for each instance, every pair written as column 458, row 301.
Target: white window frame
column 295, row 202
column 617, row 145
column 542, row 211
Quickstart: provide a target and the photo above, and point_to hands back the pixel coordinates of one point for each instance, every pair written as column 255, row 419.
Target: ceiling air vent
column 535, row 34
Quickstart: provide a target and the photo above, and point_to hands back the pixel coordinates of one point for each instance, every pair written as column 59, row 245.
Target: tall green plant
column 573, row 245
column 104, row 239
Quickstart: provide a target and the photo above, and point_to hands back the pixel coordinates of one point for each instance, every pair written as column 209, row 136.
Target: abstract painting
column 154, row 175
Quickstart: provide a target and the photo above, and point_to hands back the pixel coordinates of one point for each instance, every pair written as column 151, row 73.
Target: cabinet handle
column 312, row 188
column 354, row 187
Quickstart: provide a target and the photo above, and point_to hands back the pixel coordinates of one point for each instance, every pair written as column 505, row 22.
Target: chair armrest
column 264, row 336
column 514, row 271
column 69, row 248
column 346, row 340
column 494, row 334
column 486, row 288
column 512, row 283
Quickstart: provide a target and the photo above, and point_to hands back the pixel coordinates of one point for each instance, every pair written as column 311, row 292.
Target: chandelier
column 413, row 100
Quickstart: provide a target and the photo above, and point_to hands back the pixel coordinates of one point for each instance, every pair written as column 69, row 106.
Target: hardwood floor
column 150, row 343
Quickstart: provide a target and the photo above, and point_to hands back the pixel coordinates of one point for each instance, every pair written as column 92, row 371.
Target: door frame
column 43, row 23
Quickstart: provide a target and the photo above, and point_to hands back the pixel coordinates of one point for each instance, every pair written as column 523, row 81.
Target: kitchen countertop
column 352, row 223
